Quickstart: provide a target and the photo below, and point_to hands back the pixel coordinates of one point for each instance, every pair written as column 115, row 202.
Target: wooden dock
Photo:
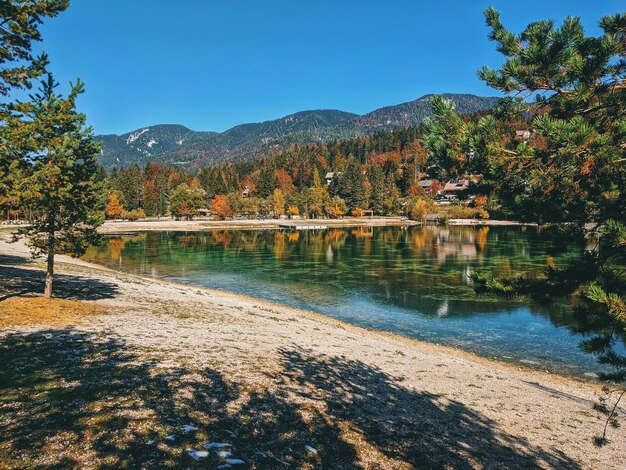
column 303, row 226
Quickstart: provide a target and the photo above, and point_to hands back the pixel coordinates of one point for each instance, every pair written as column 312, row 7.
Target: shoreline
column 68, row 261
column 119, row 227
column 257, row 344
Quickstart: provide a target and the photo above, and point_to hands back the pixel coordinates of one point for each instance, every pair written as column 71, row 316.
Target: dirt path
column 268, row 380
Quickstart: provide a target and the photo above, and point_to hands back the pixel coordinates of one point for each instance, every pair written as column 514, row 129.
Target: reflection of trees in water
column 418, row 268
column 115, row 246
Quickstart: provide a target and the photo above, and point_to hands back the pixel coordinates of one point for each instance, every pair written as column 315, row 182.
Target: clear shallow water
column 413, row 281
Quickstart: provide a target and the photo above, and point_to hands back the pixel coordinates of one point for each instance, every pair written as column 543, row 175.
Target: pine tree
column 377, row 180
column 21, row 22
column 574, row 165
column 129, row 182
column 60, row 191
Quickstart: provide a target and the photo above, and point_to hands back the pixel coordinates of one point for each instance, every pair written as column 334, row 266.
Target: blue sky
column 213, row 64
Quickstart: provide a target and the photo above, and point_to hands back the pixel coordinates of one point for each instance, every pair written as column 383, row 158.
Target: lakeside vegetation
column 552, row 152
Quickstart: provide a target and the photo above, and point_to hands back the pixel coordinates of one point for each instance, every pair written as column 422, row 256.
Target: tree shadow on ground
column 425, row 430
column 12, row 260
column 72, row 399
column 17, row 281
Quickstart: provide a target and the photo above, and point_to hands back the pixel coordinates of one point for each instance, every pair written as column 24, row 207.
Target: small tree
column 61, row 190
column 293, row 210
column 336, row 208
column 133, row 215
column 186, row 200
column 221, row 206
column 279, row 202
column 114, row 208
column 358, row 212
column 420, row 209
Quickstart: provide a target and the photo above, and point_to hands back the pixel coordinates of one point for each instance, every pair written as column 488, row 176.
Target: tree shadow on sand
column 72, row 399
column 422, row 429
column 16, row 281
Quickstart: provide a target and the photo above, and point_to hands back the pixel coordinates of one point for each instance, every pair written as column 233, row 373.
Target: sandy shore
column 288, row 388
column 110, row 227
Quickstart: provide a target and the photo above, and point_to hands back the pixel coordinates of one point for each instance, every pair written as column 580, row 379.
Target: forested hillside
column 179, row 146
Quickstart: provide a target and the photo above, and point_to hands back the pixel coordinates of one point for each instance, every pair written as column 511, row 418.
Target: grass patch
column 26, row 311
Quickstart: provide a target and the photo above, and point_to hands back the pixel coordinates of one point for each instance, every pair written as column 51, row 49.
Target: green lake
column 409, row 280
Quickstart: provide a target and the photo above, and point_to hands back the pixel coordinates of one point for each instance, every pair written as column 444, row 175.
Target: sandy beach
column 112, row 227
column 276, row 387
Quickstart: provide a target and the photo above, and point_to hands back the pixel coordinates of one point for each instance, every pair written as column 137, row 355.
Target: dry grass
column 27, row 311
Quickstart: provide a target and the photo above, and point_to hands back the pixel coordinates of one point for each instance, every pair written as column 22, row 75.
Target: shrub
column 421, row 208
column 358, row 212
column 133, row 215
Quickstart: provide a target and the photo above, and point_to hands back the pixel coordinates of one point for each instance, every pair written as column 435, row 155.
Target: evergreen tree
column 61, row 191
column 129, row 182
column 21, row 23
column 377, row 180
column 267, row 181
column 574, row 165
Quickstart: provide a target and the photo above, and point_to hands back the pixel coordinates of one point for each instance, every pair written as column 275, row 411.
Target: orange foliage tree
column 114, row 208
column 221, row 206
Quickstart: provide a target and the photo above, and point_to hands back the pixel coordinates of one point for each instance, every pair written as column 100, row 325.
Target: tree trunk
column 51, row 248
column 49, row 274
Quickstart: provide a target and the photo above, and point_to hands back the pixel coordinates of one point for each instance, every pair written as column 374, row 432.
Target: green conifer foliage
column 60, row 190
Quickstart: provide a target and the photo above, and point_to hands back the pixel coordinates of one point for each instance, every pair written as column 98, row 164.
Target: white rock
column 171, row 438
column 311, row 449
column 197, row 454
column 235, row 462
column 188, row 428
column 150, row 442
column 223, row 454
column 217, row 445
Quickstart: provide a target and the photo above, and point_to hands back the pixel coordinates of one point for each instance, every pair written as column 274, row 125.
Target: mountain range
column 173, row 144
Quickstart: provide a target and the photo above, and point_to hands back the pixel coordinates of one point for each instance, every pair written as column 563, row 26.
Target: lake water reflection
column 413, row 281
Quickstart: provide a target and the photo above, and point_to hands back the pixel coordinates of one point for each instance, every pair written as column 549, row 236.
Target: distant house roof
column 425, row 183
column 456, row 185
column 330, row 175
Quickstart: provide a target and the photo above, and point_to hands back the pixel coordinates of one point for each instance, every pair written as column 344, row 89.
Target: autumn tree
column 114, row 208
column 336, row 208
column 221, row 206
column 186, row 200
column 60, row 190
column 279, row 202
